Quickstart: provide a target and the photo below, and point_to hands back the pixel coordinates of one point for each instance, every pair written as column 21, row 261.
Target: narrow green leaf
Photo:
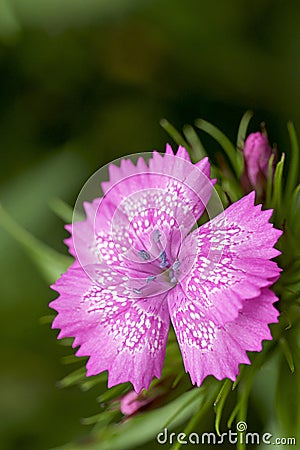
column 287, row 353
column 246, row 379
column 177, row 380
column 175, row 135
column 198, row 393
column 50, row 262
column 287, row 398
column 66, row 342
column 62, row 209
column 203, row 408
column 269, row 181
column 70, row 359
column 197, row 148
column 45, row 320
column 239, row 378
column 244, row 388
column 104, row 417
column 241, row 407
column 233, row 414
column 232, row 188
column 243, row 129
column 294, row 214
column 219, row 403
column 113, row 392
column 278, row 185
column 293, row 175
column 242, row 419
column 73, row 378
column 222, row 139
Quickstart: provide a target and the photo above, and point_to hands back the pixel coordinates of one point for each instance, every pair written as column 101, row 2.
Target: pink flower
column 139, row 265
column 257, row 152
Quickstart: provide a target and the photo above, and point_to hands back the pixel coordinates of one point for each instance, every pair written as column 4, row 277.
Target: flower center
column 161, row 272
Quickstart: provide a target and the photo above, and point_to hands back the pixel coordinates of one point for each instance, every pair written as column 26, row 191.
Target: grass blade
column 175, row 135
column 222, row 139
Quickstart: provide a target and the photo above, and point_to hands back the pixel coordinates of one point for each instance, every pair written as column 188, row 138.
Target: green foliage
column 175, row 135
column 288, row 383
column 57, row 13
column 51, row 263
column 234, row 157
column 242, row 131
column 276, row 200
column 62, row 209
column 220, row 402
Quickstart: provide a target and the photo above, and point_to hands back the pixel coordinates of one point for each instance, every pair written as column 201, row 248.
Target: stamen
column 137, row 291
column 144, row 255
column 163, row 259
column 176, row 264
column 173, row 279
column 151, row 278
column 156, row 236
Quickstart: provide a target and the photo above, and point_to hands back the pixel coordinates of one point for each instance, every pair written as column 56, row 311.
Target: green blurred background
column 83, row 82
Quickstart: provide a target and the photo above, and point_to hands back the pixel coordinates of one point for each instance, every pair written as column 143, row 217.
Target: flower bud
column 257, row 152
column 132, row 402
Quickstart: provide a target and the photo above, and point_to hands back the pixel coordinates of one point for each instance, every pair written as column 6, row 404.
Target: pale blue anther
column 173, row 279
column 144, row 255
column 176, row 265
column 151, row 278
column 156, row 236
column 137, row 291
column 163, row 259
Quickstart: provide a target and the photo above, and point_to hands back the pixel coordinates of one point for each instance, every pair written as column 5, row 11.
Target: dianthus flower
column 140, row 262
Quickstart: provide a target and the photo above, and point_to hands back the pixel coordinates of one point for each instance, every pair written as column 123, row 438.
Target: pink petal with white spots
column 82, row 242
column 123, row 335
column 170, row 184
column 232, row 260
column 139, row 199
column 190, row 183
column 126, row 170
column 210, row 349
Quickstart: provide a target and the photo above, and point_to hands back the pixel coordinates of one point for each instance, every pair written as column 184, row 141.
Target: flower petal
column 82, row 242
column 138, row 198
column 210, row 349
column 126, row 336
column 170, row 183
column 231, row 262
column 189, row 182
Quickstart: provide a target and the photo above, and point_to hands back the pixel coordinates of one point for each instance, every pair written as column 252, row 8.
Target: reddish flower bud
column 132, row 402
column 257, row 152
